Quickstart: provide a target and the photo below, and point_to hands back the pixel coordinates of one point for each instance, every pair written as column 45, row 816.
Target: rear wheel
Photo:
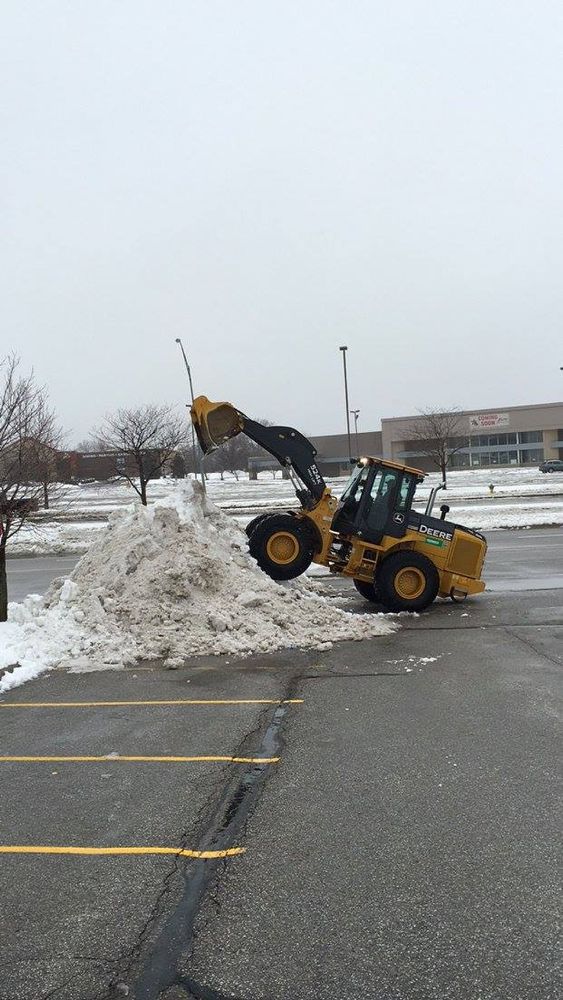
column 407, row 581
column 367, row 590
column 282, row 546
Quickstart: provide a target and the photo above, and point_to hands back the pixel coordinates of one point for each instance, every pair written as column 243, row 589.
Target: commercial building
column 511, row 435
column 83, row 466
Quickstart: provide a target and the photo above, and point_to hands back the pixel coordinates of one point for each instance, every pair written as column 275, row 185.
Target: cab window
column 404, row 492
column 355, row 485
column 384, row 484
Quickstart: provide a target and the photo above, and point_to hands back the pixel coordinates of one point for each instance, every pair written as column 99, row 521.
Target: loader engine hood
column 435, row 527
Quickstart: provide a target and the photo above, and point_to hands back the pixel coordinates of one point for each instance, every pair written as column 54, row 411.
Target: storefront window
column 530, row 437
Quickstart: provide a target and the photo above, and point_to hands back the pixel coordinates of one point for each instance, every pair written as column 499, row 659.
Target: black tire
column 394, row 591
column 367, row 590
column 550, row 470
column 292, row 533
column 255, row 522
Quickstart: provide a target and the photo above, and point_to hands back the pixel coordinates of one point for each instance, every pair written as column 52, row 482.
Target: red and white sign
column 483, row 421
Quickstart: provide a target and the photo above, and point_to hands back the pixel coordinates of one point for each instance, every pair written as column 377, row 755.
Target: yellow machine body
column 459, row 562
column 284, row 544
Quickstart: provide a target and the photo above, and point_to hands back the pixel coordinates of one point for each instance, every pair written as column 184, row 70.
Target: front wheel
column 282, row 546
column 254, row 523
column 407, row 581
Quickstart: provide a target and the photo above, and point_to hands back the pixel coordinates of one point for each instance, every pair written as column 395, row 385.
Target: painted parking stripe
column 94, row 851
column 177, row 701
column 108, row 758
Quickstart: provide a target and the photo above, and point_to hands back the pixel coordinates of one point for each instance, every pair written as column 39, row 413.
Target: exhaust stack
column 432, row 498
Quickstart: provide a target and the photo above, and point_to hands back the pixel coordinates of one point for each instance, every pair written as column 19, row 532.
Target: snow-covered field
column 166, row 582
column 522, row 498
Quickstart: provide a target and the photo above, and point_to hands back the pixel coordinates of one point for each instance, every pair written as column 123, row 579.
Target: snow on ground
column 166, row 582
column 230, row 492
column 516, row 515
column 522, row 498
column 56, row 538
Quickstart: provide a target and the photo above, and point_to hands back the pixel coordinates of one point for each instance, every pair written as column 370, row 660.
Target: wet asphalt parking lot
column 379, row 821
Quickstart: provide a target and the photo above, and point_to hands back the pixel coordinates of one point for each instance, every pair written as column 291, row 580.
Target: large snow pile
column 167, row 582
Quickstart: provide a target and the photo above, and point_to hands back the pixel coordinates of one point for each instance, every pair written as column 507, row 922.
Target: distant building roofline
column 486, row 409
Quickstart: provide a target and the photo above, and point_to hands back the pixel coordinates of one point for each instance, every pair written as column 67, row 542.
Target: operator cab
column 377, row 500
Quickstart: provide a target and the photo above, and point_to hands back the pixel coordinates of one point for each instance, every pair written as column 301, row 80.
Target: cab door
column 385, row 505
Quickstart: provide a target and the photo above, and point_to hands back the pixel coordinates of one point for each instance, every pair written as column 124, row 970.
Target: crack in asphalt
column 222, row 821
column 129, row 958
column 351, row 673
column 60, row 986
column 531, row 645
column 57, row 989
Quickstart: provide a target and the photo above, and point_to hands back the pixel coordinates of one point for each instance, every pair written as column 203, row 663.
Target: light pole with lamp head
column 344, row 349
column 194, row 452
column 355, row 414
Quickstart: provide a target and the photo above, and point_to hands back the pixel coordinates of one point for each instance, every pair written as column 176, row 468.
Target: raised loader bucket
column 214, row 423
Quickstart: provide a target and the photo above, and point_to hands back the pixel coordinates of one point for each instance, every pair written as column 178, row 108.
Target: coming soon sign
column 486, row 421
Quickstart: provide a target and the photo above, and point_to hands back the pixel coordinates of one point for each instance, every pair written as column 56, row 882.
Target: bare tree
column 190, row 458
column 178, row 466
column 439, row 436
column 28, row 435
column 233, row 456
column 149, row 436
column 89, row 445
column 43, row 449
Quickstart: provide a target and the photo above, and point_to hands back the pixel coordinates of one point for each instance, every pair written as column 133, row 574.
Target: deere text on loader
column 396, row 556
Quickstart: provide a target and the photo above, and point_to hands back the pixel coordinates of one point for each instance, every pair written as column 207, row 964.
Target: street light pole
column 194, row 452
column 344, row 349
column 355, row 414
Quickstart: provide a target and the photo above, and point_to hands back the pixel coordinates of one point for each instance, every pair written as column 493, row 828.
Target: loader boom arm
column 292, row 450
column 215, row 423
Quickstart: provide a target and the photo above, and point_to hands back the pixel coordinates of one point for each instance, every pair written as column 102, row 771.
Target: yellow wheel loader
column 396, row 556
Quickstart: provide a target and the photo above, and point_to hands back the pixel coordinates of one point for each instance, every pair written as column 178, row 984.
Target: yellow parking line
column 180, row 852
column 108, row 758
column 177, row 701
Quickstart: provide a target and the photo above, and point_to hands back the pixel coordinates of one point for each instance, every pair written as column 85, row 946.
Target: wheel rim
column 282, row 548
column 410, row 583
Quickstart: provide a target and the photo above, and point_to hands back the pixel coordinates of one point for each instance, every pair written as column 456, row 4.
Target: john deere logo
column 425, row 529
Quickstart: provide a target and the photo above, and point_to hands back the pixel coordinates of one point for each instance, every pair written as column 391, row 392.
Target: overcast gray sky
column 270, row 180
